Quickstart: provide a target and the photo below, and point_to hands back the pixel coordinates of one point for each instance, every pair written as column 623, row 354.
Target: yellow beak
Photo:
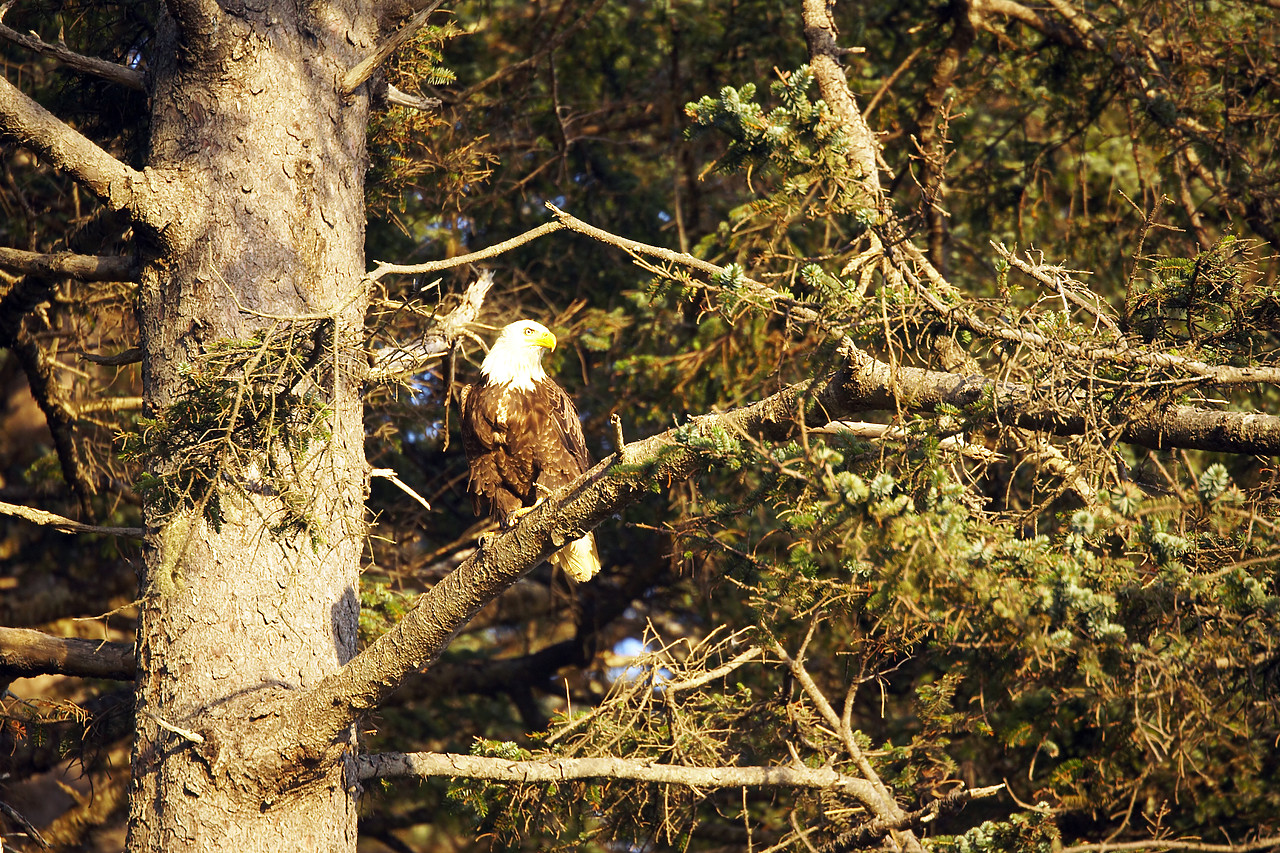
column 548, row 340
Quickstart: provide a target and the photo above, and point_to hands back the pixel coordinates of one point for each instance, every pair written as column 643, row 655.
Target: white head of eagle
column 523, row 438
column 516, row 357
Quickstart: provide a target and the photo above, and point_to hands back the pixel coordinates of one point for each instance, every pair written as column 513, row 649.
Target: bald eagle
column 523, row 438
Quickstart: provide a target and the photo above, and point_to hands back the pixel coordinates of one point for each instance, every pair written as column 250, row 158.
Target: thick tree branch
column 25, row 653
column 82, row 267
column 123, row 75
column 116, row 184
column 824, row 59
column 428, row 764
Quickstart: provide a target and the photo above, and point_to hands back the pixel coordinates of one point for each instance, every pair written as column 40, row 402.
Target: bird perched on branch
column 523, row 438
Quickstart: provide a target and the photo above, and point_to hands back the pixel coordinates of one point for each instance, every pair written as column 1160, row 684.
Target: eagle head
column 516, row 356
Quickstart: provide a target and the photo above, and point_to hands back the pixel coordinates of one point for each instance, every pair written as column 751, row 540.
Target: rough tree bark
column 249, row 125
column 248, row 214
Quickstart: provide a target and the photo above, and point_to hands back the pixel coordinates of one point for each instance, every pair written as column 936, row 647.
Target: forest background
column 997, row 552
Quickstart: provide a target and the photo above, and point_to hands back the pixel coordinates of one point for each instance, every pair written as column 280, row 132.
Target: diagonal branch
column 364, row 70
column 881, row 801
column 123, row 75
column 25, row 653
column 115, row 183
column 50, row 397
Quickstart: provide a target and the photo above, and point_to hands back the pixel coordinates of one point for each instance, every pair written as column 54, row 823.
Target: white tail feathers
column 579, row 559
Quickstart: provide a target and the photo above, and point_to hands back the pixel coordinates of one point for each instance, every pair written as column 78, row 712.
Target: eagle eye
column 528, row 330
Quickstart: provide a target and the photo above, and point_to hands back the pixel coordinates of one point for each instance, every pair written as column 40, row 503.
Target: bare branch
column 401, row 361
column 428, row 764
column 82, row 267
column 404, row 99
column 394, row 478
column 25, row 653
column 384, row 268
column 120, row 74
column 712, row 674
column 364, row 70
column 66, row 525
column 886, row 432
column 185, row 734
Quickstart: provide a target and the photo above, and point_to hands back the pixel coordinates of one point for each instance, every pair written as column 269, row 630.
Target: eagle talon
column 514, row 518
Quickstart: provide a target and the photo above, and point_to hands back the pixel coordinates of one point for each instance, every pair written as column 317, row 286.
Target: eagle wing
column 484, row 440
column 561, row 447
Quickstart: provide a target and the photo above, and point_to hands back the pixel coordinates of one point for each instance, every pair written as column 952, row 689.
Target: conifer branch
column 863, row 383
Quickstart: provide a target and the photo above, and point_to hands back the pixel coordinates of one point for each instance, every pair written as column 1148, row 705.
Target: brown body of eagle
column 523, row 438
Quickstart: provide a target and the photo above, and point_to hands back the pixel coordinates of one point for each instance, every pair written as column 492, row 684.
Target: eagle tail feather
column 579, row 559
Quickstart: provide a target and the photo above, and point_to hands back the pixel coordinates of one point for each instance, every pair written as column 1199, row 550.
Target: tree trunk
column 265, row 161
